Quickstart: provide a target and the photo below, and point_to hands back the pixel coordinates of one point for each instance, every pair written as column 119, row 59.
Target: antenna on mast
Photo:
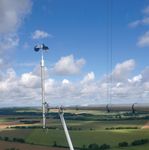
column 45, row 107
column 37, row 48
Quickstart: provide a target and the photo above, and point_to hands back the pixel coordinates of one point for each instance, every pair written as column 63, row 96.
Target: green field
column 92, row 129
column 97, row 134
column 80, row 138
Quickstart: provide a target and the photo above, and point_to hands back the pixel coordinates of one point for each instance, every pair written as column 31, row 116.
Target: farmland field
column 85, row 129
column 5, row 145
column 97, row 136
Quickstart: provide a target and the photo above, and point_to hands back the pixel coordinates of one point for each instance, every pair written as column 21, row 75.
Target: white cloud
column 144, row 21
column 144, row 40
column 38, row 34
column 24, row 90
column 68, row 66
column 30, row 80
column 65, row 82
column 18, row 91
column 134, row 23
column 12, row 13
column 7, row 42
column 122, row 70
column 11, row 74
column 135, row 79
column 119, row 84
column 88, row 78
column 50, row 86
column 145, row 75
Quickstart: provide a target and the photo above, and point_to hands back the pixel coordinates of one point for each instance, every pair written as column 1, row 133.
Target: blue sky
column 80, row 28
column 80, row 35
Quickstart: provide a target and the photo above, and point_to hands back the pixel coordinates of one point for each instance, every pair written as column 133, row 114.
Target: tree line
column 19, row 140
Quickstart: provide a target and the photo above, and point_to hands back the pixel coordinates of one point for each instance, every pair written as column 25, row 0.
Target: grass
column 5, row 119
column 142, row 147
column 98, row 125
column 87, row 137
column 19, row 133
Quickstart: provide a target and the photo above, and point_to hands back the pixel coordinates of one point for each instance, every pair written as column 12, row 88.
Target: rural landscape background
column 21, row 128
column 98, row 54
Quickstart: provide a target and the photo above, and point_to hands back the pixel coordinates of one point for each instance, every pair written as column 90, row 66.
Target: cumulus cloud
column 142, row 21
column 18, row 91
column 65, row 82
column 12, row 13
column 136, row 79
column 30, row 80
column 144, row 40
column 25, row 89
column 38, row 34
column 145, row 75
column 131, row 89
column 8, row 41
column 122, row 70
column 68, row 66
column 88, row 78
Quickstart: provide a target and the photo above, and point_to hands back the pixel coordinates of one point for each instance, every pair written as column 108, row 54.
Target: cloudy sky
column 98, row 51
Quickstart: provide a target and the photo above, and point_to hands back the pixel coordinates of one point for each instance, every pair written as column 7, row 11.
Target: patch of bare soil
column 12, row 124
column 146, row 126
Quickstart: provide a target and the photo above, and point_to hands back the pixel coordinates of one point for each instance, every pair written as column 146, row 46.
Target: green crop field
column 100, row 128
column 98, row 134
column 81, row 138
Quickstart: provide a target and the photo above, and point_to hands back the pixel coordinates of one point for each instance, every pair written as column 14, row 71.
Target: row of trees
column 51, row 127
column 12, row 148
column 96, row 147
column 31, row 127
column 134, row 143
column 140, row 142
column 120, row 128
column 121, row 144
column 90, row 147
column 20, row 140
